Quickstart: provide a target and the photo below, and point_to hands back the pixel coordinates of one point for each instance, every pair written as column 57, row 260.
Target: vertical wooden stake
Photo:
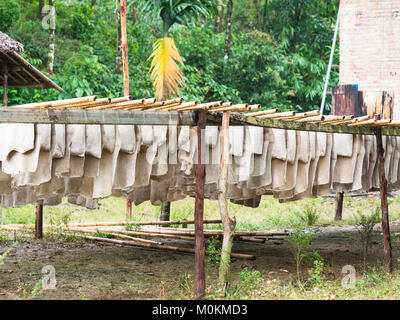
column 128, row 210
column 384, row 202
column 200, row 275
column 124, row 50
column 124, row 47
column 5, row 86
column 339, row 205
column 39, row 220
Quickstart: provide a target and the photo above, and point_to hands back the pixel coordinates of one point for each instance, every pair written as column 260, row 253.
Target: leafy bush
column 10, row 12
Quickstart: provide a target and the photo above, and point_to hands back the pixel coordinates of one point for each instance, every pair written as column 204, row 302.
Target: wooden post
column 200, row 276
column 128, row 210
column 339, row 205
column 346, row 101
column 5, row 86
column 124, row 47
column 384, row 202
column 165, row 211
column 39, row 220
column 124, row 50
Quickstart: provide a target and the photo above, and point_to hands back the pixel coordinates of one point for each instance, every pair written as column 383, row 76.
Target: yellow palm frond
column 164, row 70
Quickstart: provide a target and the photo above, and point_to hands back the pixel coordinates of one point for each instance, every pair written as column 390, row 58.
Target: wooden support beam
column 128, row 210
column 5, row 86
column 200, row 276
column 339, row 206
column 384, row 202
column 39, row 220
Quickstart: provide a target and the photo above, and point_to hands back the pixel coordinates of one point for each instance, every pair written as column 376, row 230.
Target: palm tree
column 164, row 70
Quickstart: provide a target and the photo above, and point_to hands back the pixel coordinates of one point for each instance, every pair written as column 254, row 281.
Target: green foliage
column 177, row 11
column 309, row 216
column 213, row 254
column 365, row 226
column 4, row 255
column 279, row 64
column 10, row 12
column 300, row 242
column 316, row 273
column 249, row 281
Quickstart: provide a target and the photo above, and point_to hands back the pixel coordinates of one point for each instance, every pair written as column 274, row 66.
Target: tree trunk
column 50, row 66
column 118, row 57
column 134, row 14
column 228, row 223
column 297, row 17
column 228, row 29
column 258, row 13
column 264, row 20
column 41, row 5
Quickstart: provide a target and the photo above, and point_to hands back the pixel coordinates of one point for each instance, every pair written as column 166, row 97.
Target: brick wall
column 370, row 46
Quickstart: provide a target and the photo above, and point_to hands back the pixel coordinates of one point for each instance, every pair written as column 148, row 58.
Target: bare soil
column 88, row 270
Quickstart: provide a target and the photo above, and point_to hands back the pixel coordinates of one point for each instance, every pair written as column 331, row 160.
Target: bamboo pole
column 120, row 223
column 121, row 105
column 262, row 113
column 278, row 115
column 244, row 107
column 166, row 108
column 313, row 119
column 85, row 104
column 114, row 234
column 209, row 232
column 56, row 103
column 162, row 247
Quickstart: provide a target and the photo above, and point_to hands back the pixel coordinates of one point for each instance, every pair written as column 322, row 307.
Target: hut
column 16, row 72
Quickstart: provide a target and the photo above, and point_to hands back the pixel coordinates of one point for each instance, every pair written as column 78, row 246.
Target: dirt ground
column 87, row 270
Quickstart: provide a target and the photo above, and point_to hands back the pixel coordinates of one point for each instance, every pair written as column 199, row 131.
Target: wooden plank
column 83, row 116
column 200, row 275
column 242, row 119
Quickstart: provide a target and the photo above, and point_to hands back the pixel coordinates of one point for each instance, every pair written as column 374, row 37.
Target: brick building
column 370, row 46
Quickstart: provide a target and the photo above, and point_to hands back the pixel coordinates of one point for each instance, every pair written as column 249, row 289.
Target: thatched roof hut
column 7, row 44
column 16, row 72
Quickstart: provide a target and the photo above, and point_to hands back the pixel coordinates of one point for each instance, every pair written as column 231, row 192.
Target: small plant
column 309, row 216
column 162, row 290
column 134, row 291
column 249, row 282
column 365, row 227
column 213, row 254
column 3, row 255
column 300, row 241
column 316, row 273
column 82, row 295
column 29, row 291
column 101, row 234
column 133, row 227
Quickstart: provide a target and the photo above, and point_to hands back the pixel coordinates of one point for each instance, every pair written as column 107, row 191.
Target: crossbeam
column 187, row 118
